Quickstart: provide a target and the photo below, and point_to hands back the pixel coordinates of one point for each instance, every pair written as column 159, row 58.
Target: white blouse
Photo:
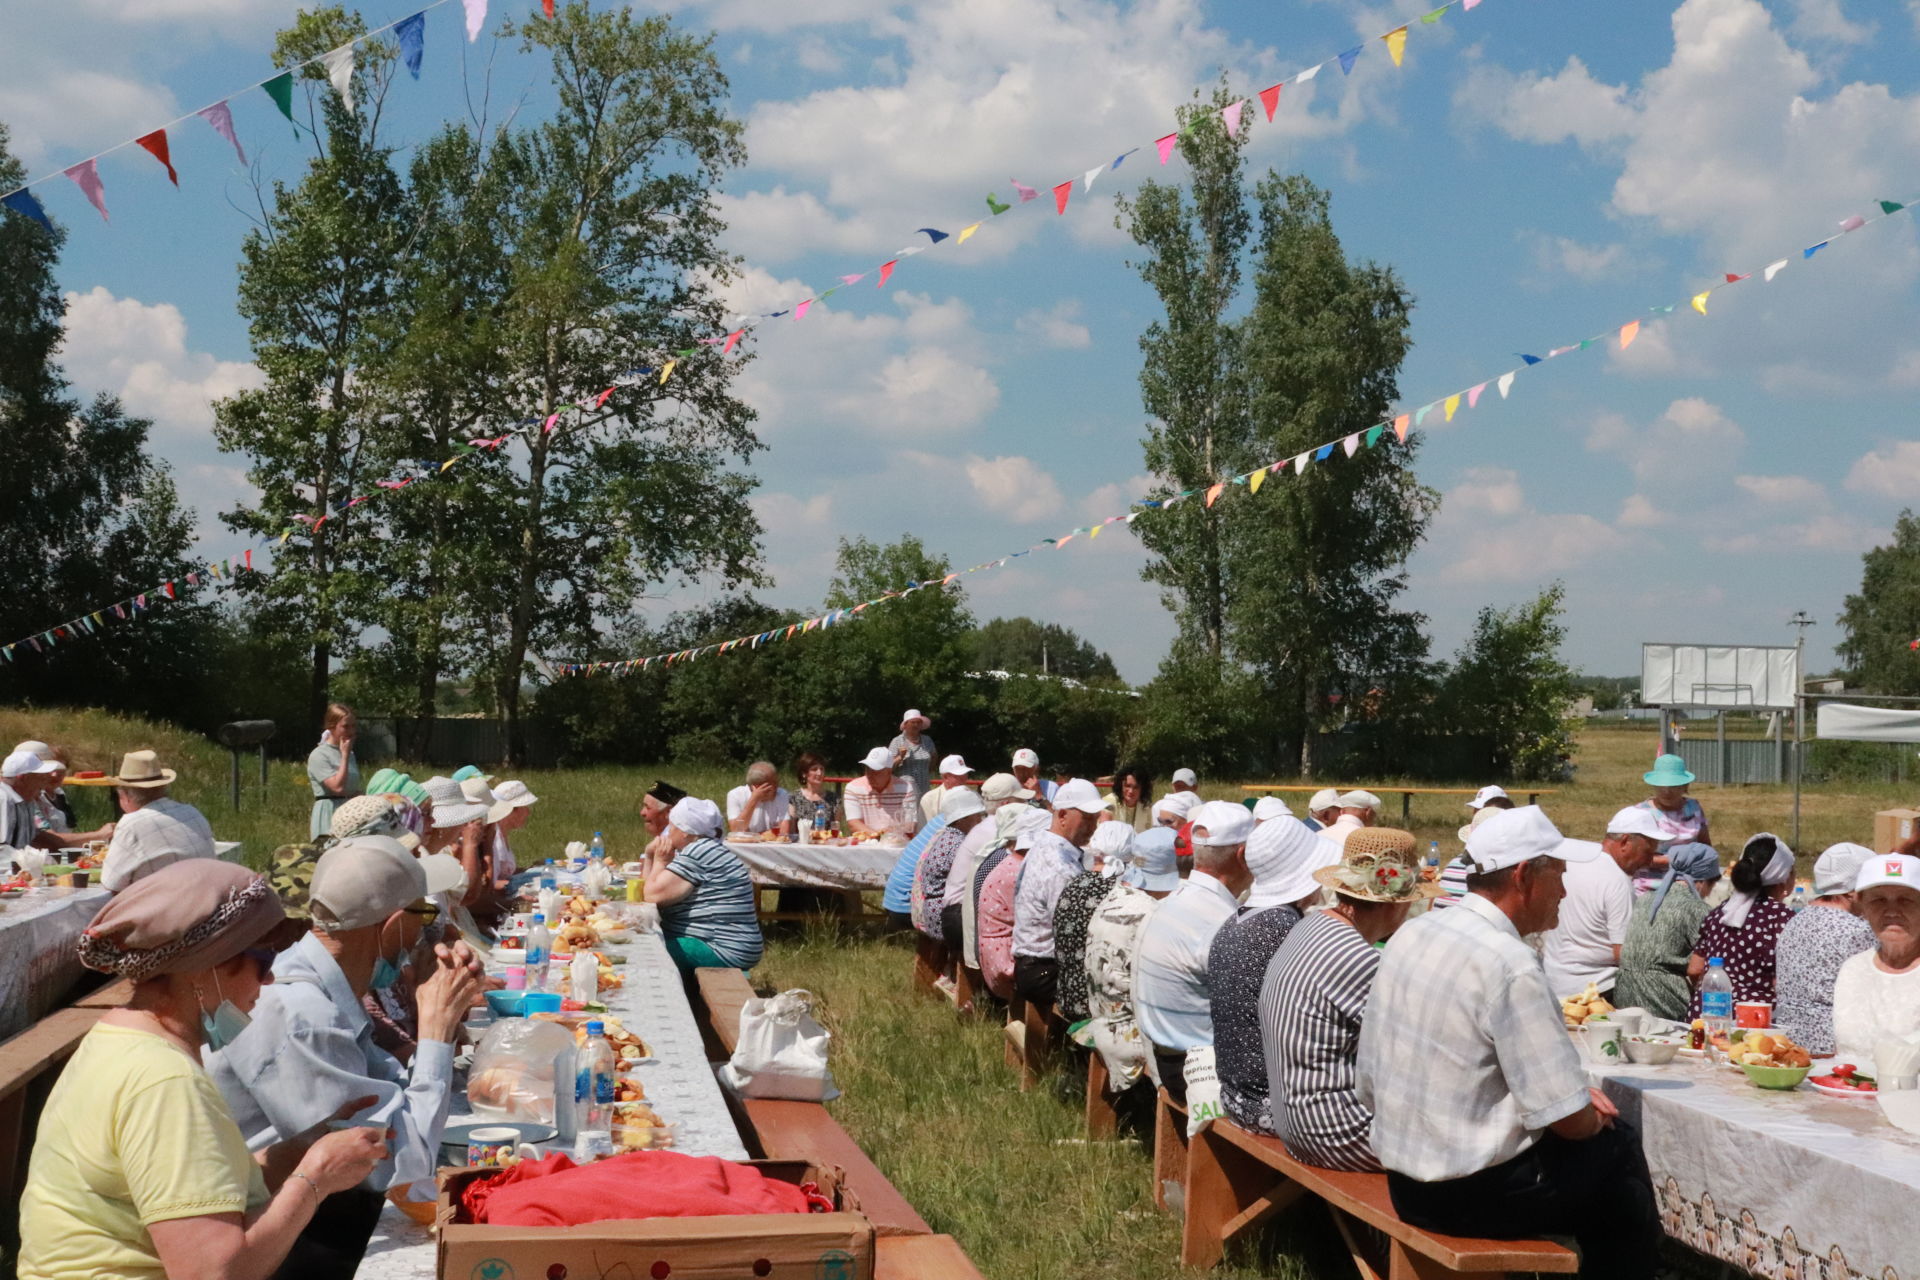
column 1871, row 1005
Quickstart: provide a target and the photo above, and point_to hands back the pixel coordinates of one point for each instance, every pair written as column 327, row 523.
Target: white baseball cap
column 954, row 766
column 478, row 792
column 1078, row 793
column 1026, row 758
column 878, row 758
column 1486, row 794
column 1636, row 821
column 362, row 881
column 1889, row 868
column 1267, row 808
column 1028, row 826
column 1360, row 800
column 961, row 802
column 444, row 872
column 1186, row 776
column 22, row 763
column 1227, row 823
column 1001, row 787
column 1513, row 836
column 1324, row 798
column 1176, row 806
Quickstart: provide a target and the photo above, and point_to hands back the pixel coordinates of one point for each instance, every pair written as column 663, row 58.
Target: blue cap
column 1716, row 961
column 596, row 1028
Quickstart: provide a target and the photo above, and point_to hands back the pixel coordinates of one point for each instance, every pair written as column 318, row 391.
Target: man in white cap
column 1171, row 1000
column 879, row 800
column 1491, row 796
column 1282, row 856
column 1815, row 944
column 1482, row 1115
column 308, row 1050
column 1267, row 808
column 1026, row 771
column 156, row 830
column 1323, row 807
column 1357, row 809
column 955, row 775
column 760, row 803
column 1053, row 860
column 1185, row 780
column 1584, row 948
column 24, row 778
column 911, row 753
column 709, row 915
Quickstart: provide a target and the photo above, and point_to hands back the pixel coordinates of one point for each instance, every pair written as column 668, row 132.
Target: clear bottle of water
column 539, row 952
column 1716, row 1000
column 593, row 1095
column 1799, row 900
column 598, row 849
column 1433, row 853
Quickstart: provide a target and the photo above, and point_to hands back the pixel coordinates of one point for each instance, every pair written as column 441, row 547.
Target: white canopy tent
column 1853, row 723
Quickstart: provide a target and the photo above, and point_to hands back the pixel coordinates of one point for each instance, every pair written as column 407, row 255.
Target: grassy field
column 1006, row 1173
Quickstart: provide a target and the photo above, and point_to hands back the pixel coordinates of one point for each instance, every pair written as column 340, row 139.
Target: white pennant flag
column 1300, row 464
column 476, row 18
column 1773, row 269
column 909, row 251
column 1091, row 175
column 1506, row 381
column 1351, row 444
column 1308, row 74
column 340, row 72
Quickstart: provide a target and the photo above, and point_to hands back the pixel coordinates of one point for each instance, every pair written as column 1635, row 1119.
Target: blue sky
column 1539, row 171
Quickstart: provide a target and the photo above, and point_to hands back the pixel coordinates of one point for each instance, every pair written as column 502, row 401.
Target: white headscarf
column 1109, row 841
column 1779, row 870
column 695, row 816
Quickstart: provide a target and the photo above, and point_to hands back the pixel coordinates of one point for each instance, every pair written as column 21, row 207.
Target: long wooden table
column 1406, row 794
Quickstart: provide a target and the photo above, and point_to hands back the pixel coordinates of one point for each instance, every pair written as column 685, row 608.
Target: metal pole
column 1720, row 735
column 235, row 756
column 1799, row 728
column 263, row 772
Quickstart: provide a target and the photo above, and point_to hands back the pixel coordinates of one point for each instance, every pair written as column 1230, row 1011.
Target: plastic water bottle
column 598, row 849
column 593, row 1095
column 539, row 952
column 1433, row 853
column 1716, row 1000
column 1799, row 902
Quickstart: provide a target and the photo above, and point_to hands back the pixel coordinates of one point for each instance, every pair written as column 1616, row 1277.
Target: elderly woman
column 1815, row 944
column 996, row 904
column 1681, row 819
column 1877, row 996
column 1661, row 933
column 1745, row 930
column 1103, row 859
column 138, row 1168
column 705, row 893
column 1132, row 797
column 332, row 768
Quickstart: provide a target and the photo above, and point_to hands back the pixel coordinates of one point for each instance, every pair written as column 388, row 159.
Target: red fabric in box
column 555, row 1192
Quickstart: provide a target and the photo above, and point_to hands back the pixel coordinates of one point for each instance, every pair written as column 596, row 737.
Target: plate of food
column 1575, row 1010
column 1845, row 1080
column 1771, row 1059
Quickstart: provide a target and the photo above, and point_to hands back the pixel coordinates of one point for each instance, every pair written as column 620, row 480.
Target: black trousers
column 1173, row 1075
column 1598, row 1191
column 953, row 933
column 332, row 1244
column 901, row 922
column 1036, row 980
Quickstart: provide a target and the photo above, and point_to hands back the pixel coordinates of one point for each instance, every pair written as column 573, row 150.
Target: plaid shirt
column 1463, row 1060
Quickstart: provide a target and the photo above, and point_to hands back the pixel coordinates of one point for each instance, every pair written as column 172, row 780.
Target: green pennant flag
column 1373, row 434
column 280, row 89
column 1434, row 17
column 1585, row 343
column 1891, row 206
column 996, row 206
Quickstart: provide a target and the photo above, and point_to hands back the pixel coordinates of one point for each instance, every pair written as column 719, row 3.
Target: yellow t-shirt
column 134, row 1133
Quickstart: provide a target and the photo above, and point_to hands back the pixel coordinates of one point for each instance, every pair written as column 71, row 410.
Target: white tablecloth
column 818, row 866
column 38, row 965
column 679, row 1083
column 1782, row 1184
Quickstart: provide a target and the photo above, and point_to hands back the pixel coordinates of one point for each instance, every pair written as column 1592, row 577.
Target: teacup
column 497, row 1148
column 1601, row 1039
column 1632, row 1020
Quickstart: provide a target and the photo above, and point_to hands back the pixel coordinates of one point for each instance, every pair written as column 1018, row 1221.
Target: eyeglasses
column 263, row 958
column 427, row 912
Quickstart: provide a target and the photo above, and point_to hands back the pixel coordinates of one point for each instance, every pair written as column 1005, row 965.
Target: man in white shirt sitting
column 1584, row 948
column 761, row 804
column 157, row 830
column 955, row 773
column 1357, row 809
column 1482, row 1115
column 1323, row 809
column 1171, row 1000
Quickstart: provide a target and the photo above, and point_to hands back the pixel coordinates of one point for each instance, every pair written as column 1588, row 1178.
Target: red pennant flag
column 886, row 270
column 155, row 144
column 547, row 7
column 602, row 397
column 1400, row 426
column 249, row 559
column 168, row 588
column 1736, row 279
column 1213, row 494
column 1060, row 194
column 731, row 339
column 1270, row 99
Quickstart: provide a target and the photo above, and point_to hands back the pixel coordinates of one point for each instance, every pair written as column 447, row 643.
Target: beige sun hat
column 1379, row 864
column 142, row 769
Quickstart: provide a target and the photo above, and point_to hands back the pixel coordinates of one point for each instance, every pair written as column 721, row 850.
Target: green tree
column 1023, row 645
column 90, row 517
column 1883, row 617
column 1509, row 685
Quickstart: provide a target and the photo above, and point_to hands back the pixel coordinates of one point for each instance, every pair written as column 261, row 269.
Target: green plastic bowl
column 1776, row 1077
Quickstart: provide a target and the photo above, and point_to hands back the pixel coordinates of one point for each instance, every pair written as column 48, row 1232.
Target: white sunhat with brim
column 515, row 793
column 1514, row 836
column 1479, row 816
column 955, row 767
column 1283, row 855
column 478, row 792
column 961, row 802
column 1486, row 795
column 914, row 713
column 451, row 808
column 1226, row 823
column 1153, row 863
column 878, row 760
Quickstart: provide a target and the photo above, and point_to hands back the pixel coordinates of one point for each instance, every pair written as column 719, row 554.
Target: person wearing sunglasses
column 310, row 1047
column 138, row 1168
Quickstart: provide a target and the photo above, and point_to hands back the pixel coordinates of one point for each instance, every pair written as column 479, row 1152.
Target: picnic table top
column 1379, row 786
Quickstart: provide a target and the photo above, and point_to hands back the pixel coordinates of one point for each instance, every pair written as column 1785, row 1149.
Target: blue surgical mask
column 385, row 974
column 224, row 1025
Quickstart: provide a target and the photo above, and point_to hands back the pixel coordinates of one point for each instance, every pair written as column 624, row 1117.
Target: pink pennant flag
column 886, row 273
column 800, row 309
column 476, row 18
column 1465, row 5
column 853, row 279
column 1060, row 195
column 1166, row 145
column 553, row 418
column 1230, row 116
column 1473, row 395
column 86, row 175
column 1628, row 332
column 732, row 338
column 1400, row 425
column 1270, row 99
column 221, row 118
column 1854, row 223
column 1351, row 444
column 1026, row 192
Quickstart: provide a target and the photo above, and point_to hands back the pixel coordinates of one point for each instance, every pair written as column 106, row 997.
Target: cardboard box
column 1893, row 828
column 779, row 1246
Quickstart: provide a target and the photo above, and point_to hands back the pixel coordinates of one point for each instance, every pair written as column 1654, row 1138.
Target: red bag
column 555, row 1192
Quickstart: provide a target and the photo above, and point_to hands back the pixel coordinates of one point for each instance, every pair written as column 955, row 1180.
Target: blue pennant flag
column 1529, row 359
column 935, row 236
column 1347, row 59
column 1323, row 453
column 23, row 202
column 412, row 35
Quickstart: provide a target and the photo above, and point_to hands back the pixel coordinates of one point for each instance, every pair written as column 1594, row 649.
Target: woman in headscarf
column 138, row 1168
column 1661, row 933
column 1815, row 944
column 1744, row 931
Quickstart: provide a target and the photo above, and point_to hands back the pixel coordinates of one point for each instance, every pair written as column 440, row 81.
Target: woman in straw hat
column 138, row 1169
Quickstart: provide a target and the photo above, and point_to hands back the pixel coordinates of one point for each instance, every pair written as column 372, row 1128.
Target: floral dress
column 1811, row 950
column 1748, row 951
column 930, row 882
column 1112, row 937
column 1078, row 901
column 996, row 926
column 1653, row 962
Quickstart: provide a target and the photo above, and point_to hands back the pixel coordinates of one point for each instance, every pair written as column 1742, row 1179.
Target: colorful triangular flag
column 996, row 206
column 966, row 233
column 886, row 273
column 476, row 18
column 1628, row 332
column 1270, row 99
column 155, row 145
column 1700, row 301
column 340, row 73
column 24, row 203
column 220, row 116
column 1165, row 146
column 1396, row 44
column 411, row 33
column 1061, row 193
column 1348, row 58
column 1230, row 117
column 1505, row 384
column 86, row 176
column 280, row 89
column 1026, row 192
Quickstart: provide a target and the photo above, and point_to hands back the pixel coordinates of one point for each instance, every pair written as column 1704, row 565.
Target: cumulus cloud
column 1567, row 256
column 139, row 352
column 1487, row 532
column 1692, row 437
column 1015, row 487
column 1641, row 512
column 1891, row 472
column 1059, row 326
column 1783, row 491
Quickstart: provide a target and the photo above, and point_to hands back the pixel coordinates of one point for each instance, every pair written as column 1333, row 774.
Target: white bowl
column 1652, row 1051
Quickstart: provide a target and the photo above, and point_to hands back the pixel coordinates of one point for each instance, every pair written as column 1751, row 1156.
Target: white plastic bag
column 782, row 1051
column 1203, row 1089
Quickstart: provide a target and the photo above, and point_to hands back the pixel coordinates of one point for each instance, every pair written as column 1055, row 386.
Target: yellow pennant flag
column 1396, row 44
column 965, row 232
column 1095, row 531
column 1257, row 479
column 1452, row 406
column 449, row 462
column 1628, row 332
column 1700, row 302
column 666, row 371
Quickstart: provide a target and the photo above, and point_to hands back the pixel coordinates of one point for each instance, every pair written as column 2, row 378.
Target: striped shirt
column 1311, row 1004
column 893, row 809
column 720, row 910
column 1236, row 968
column 1453, row 878
column 899, row 894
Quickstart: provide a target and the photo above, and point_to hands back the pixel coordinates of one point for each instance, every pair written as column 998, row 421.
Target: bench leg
column 1103, row 1119
column 970, row 991
column 1169, row 1154
column 1228, row 1193
column 1404, row 1264
column 926, row 962
column 1365, row 1257
column 1037, row 1058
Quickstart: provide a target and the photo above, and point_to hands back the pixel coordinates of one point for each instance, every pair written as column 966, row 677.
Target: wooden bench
column 1170, row 1155
column 725, row 993
column 1237, row 1180
column 1031, row 1038
column 805, row 1130
column 1406, row 794
column 921, row 1258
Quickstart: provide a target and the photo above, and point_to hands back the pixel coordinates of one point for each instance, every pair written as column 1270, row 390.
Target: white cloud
column 1783, row 491
column 1114, row 499
column 1821, row 533
column 1892, row 472
column 1581, row 261
column 1641, row 512
column 1568, row 107
column 1014, row 487
column 1487, row 532
column 1824, row 20
column 814, row 54
column 927, row 389
column 1692, row 437
column 139, row 352
column 1058, row 327
column 62, row 114
column 1493, row 490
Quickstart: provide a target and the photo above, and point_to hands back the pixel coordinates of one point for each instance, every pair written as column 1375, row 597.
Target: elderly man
column 1185, row 780
column 1282, row 856
column 878, row 801
column 955, row 774
column 1491, row 796
column 308, row 1050
column 708, row 913
column 157, row 830
column 1171, row 999
column 1584, row 948
column 24, row 778
column 1267, row 808
column 1053, row 860
column 1482, row 1115
column 1323, row 806
column 1026, row 771
column 1357, row 809
column 760, row 805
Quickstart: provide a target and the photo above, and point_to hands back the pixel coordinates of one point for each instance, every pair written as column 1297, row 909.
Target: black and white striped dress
column 1310, row 1007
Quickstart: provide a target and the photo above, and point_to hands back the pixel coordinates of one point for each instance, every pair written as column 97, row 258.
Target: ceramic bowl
column 1776, row 1077
column 505, row 1004
column 1652, row 1051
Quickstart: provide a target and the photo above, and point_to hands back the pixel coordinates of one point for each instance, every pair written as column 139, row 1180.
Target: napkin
column 1893, row 1060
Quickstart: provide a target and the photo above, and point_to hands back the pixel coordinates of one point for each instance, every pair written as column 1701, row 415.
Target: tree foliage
column 1508, row 684
column 1039, row 648
column 1883, row 617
